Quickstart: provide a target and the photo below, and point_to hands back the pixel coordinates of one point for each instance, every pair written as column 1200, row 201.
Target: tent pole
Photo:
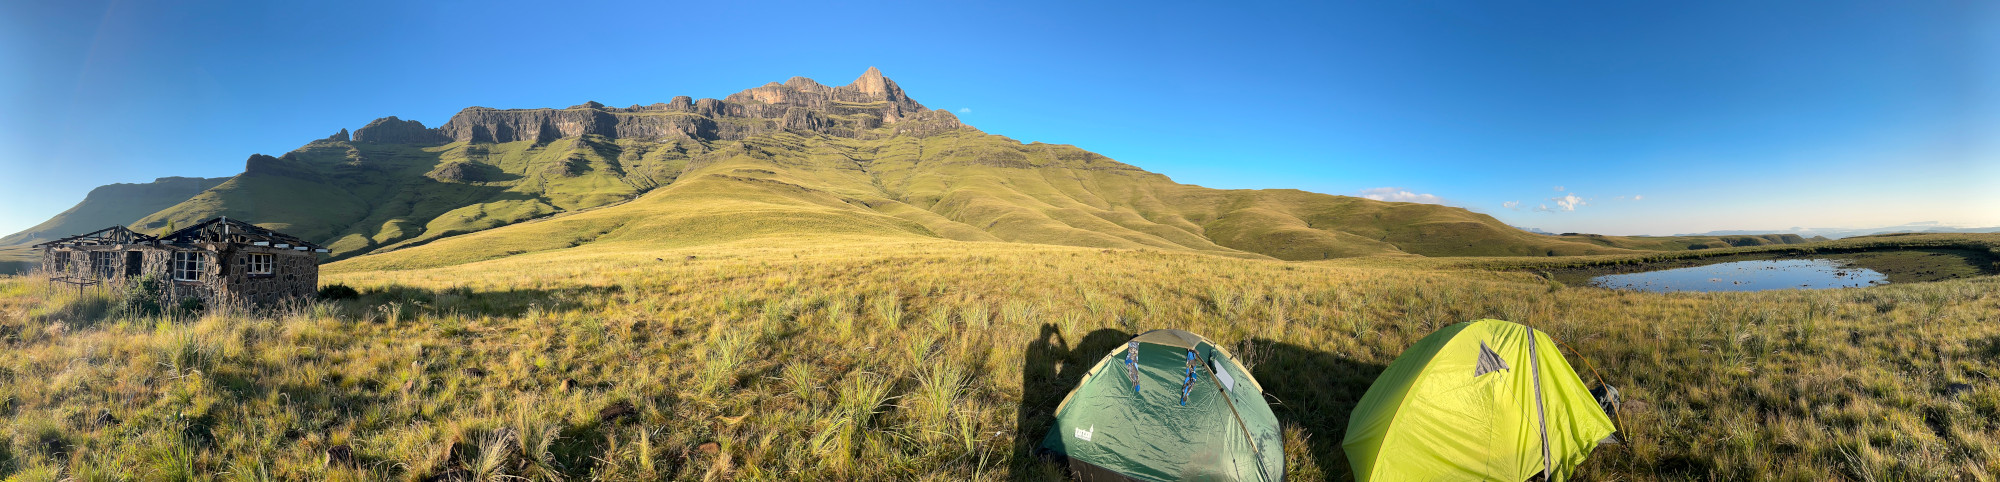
column 1254, row 449
column 1541, row 416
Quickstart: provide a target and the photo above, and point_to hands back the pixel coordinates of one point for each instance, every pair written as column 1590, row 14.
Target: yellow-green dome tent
column 1475, row 401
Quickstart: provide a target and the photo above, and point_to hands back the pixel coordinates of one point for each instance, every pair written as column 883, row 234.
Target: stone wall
column 153, row 260
column 55, row 263
column 293, row 274
column 225, row 277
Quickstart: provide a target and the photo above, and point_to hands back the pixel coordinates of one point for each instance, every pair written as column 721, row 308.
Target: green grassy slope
column 986, row 180
column 18, row 259
column 971, row 186
column 358, row 197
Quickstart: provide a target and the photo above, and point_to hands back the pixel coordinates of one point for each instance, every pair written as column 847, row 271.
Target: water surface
column 1754, row 275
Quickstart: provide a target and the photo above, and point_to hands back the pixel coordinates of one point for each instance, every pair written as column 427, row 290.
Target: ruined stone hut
column 216, row 260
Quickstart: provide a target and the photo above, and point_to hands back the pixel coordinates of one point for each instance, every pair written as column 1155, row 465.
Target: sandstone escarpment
column 928, row 123
column 871, row 93
column 798, row 105
column 481, row 124
column 390, row 130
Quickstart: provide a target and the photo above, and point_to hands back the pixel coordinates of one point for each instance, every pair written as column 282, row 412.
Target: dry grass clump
column 938, row 361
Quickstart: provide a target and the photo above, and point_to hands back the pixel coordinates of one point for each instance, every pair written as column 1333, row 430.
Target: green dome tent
column 1193, row 414
column 1475, row 401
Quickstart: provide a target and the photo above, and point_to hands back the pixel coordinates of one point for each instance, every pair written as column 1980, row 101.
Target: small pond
column 1754, row 275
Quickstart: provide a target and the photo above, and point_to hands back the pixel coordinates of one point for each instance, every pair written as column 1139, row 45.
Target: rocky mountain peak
column 873, row 83
column 870, row 87
column 802, row 83
column 265, row 165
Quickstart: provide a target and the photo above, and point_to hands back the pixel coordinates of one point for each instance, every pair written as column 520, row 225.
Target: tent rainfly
column 1168, row 405
column 1480, row 400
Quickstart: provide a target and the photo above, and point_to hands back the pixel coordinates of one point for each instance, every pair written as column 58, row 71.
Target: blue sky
column 1608, row 117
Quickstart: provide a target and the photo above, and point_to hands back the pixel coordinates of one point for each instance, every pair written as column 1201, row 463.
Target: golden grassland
column 871, row 359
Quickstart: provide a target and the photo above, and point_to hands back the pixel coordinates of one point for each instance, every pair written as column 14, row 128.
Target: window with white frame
column 260, row 263
column 188, row 265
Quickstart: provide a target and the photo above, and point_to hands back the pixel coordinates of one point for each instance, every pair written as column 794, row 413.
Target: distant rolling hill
column 1838, row 233
column 106, row 206
column 789, row 159
column 114, row 205
column 1677, row 243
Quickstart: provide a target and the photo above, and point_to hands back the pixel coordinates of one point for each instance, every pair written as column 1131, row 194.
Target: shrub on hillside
column 192, row 305
column 337, row 291
column 141, row 297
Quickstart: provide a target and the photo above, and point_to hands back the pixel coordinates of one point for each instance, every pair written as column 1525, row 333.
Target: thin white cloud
column 1397, row 194
column 1559, row 188
column 1636, row 197
column 1543, row 208
column 1569, row 202
column 965, row 110
column 1514, row 205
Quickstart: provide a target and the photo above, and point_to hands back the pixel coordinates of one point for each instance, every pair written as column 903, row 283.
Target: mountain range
column 796, row 158
column 1837, row 233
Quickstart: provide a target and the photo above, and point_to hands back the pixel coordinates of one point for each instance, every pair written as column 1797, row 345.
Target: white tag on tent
column 1222, row 375
column 1085, row 434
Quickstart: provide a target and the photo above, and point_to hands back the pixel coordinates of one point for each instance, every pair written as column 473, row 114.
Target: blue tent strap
column 1132, row 365
column 1188, row 384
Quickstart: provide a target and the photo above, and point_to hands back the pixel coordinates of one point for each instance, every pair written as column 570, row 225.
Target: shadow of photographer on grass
column 1050, row 368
